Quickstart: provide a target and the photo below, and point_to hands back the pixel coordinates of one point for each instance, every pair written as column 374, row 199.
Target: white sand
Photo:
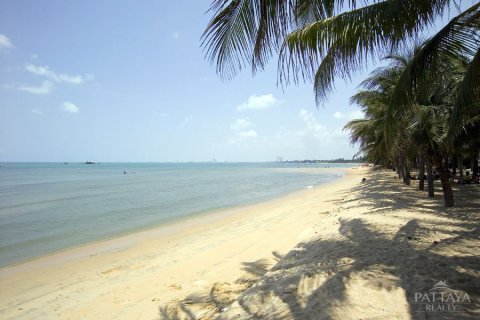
column 340, row 251
column 133, row 276
column 383, row 243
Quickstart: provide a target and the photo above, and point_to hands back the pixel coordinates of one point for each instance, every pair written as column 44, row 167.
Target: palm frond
column 246, row 32
column 229, row 37
column 459, row 38
column 348, row 39
column 467, row 103
column 369, row 98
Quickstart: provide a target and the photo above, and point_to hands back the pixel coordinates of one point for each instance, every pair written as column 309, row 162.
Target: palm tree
column 428, row 130
column 320, row 40
column 448, row 120
column 420, row 128
column 375, row 141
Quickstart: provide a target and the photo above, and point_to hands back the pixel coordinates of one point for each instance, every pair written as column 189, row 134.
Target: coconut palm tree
column 447, row 120
column 427, row 131
column 420, row 128
column 375, row 102
column 319, row 40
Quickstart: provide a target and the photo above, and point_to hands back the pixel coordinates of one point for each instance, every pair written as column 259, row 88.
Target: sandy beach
column 345, row 250
column 240, row 160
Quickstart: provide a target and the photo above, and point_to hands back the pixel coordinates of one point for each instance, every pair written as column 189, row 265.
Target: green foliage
column 321, row 40
column 425, row 103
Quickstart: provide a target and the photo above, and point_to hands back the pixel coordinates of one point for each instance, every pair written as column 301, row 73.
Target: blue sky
column 128, row 81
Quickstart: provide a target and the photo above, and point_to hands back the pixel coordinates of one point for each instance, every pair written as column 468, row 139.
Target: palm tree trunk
column 421, row 172
column 454, row 165
column 474, row 164
column 404, row 170
column 395, row 164
column 430, row 188
column 407, row 177
column 400, row 167
column 446, row 186
column 460, row 168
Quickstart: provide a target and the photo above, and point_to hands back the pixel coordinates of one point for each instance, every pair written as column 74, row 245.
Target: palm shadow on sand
column 313, row 280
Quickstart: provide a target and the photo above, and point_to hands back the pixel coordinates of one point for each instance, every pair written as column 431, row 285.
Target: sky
column 128, row 81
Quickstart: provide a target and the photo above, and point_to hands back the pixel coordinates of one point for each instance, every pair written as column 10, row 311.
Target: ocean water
column 47, row 207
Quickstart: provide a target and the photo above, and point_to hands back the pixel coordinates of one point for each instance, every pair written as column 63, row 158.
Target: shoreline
column 35, row 285
column 169, row 226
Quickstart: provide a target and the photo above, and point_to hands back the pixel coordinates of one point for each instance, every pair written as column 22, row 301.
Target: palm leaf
column 247, row 32
column 349, row 39
column 458, row 39
column 467, row 103
column 229, row 35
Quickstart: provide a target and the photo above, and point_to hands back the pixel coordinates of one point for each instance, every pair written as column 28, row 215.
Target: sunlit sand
column 341, row 251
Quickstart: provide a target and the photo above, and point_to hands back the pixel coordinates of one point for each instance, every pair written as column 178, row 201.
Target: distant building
column 279, row 159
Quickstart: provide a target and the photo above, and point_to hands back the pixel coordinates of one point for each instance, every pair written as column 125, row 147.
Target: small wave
column 308, row 187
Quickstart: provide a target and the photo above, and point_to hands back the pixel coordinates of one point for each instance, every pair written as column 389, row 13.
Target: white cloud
column 46, row 72
column 70, row 107
column 36, row 111
column 45, row 88
column 247, row 134
column 240, row 123
column 307, row 137
column 338, row 115
column 161, row 114
column 34, row 56
column 239, row 128
column 5, row 43
column 313, row 128
column 357, row 114
column 259, row 102
column 185, row 122
column 175, row 35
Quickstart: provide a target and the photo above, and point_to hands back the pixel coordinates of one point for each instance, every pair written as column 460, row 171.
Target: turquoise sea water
column 46, row 207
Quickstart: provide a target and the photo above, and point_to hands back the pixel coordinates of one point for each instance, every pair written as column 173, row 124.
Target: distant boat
column 89, row 162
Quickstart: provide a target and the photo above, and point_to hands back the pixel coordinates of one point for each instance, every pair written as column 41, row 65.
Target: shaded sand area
column 347, row 250
column 380, row 244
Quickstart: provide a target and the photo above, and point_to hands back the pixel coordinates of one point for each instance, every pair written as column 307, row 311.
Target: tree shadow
column 315, row 280
column 384, row 192
column 210, row 303
column 257, row 268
